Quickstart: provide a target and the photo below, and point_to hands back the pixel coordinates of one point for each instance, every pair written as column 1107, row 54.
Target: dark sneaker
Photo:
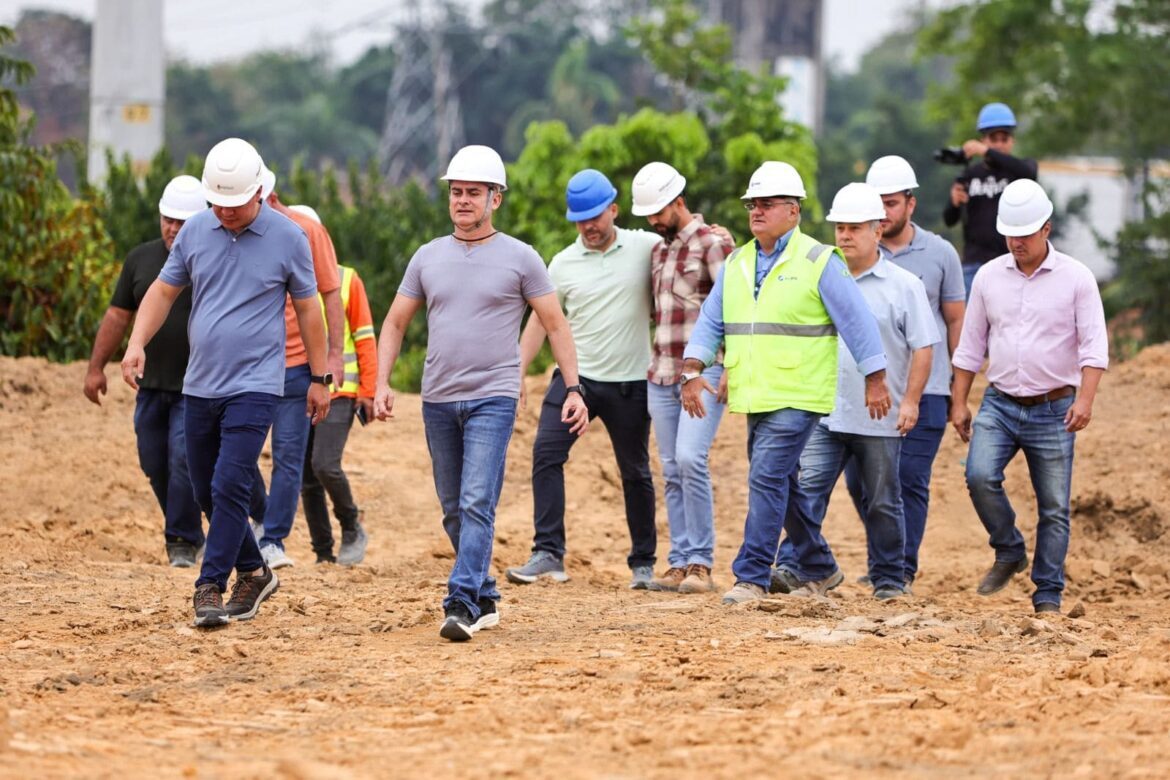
column 182, row 555
column 458, row 625
column 353, row 545
column 783, row 581
column 541, row 564
column 249, row 591
column 209, row 611
column 1047, row 607
column 489, row 615
column 642, row 578
column 864, row 580
column 887, row 592
column 326, row 558
column 820, row 588
column 999, row 575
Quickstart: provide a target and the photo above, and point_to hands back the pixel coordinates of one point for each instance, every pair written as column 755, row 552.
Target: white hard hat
column 655, row 186
column 1024, row 207
column 891, row 174
column 182, row 198
column 856, row 203
column 477, row 163
column 267, row 182
column 308, row 211
column 231, row 174
column 774, row 179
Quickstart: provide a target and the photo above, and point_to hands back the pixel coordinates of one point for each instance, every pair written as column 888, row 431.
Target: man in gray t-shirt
column 475, row 285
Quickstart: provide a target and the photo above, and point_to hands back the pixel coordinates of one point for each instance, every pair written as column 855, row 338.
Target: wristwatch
column 578, row 389
column 689, row 375
column 322, row 379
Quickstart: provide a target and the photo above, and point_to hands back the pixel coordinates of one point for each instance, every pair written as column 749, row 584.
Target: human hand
column 907, row 416
column 721, row 396
column 692, row 396
column 95, row 385
column 877, row 395
column 1078, row 415
column 317, row 403
column 959, row 194
column 384, row 403
column 133, row 365
column 961, row 420
column 575, row 414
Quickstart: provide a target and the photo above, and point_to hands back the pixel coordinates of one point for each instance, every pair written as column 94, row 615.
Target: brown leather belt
column 1033, row 400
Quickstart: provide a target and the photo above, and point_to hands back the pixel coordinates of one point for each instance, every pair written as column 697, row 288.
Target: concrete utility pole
column 127, row 91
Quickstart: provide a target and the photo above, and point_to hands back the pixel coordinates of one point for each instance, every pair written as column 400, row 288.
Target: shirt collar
column 692, row 227
column 1049, row 264
column 259, row 226
column 880, row 269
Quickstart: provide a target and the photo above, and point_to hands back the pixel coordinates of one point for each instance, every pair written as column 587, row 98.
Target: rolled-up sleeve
column 708, row 331
column 1092, row 335
column 851, row 316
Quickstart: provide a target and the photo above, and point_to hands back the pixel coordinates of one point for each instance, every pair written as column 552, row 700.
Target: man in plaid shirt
column 683, row 269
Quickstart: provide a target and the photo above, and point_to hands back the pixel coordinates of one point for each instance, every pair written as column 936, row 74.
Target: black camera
column 950, row 155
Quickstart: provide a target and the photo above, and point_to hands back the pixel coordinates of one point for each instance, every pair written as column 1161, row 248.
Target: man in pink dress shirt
column 1036, row 315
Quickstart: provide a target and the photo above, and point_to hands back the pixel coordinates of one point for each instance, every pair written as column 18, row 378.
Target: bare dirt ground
column 343, row 674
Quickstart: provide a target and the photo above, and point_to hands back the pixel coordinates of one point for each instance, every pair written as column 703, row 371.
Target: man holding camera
column 975, row 192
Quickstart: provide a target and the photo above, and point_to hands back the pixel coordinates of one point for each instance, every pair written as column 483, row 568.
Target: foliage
column 55, row 274
column 1064, row 66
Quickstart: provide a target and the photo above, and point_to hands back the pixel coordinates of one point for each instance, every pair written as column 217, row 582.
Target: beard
column 895, row 228
column 668, row 231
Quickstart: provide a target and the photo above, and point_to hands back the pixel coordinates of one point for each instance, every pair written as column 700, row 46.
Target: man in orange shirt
column 355, row 393
column 290, row 427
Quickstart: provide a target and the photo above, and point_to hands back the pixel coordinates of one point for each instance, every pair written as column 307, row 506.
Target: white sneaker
column 275, row 557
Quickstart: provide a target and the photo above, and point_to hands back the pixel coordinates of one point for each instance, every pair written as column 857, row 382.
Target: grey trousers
column 323, row 474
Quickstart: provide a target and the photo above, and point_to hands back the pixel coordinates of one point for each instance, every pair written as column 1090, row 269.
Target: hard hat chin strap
column 487, row 208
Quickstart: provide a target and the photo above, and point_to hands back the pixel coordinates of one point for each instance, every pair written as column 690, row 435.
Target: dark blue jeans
column 821, row 465
column 162, row 453
column 775, row 441
column 224, row 439
column 622, row 407
column 919, row 448
column 969, row 271
column 468, row 442
column 1002, row 428
column 290, row 440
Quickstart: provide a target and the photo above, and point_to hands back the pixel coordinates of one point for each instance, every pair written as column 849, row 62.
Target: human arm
column 361, row 328
column 335, row 328
column 1015, row 167
column 546, row 309
column 402, row 311
column 312, row 328
column 1081, row 412
column 702, row 348
column 960, row 411
column 114, row 324
column 920, row 362
column 952, row 312
column 152, row 312
column 1092, row 350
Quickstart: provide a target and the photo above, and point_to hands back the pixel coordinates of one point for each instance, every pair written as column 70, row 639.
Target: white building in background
column 127, row 83
column 1113, row 200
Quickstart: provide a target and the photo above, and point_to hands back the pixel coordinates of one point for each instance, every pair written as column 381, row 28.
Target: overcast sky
column 211, row 30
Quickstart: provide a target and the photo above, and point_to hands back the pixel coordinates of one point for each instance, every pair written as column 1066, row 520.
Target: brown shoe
column 249, row 591
column 670, row 579
column 698, row 580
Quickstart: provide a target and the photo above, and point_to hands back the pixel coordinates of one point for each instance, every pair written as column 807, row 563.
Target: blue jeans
column 821, row 465
column 468, row 442
column 1002, row 428
column 162, row 453
column 919, row 448
column 224, row 439
column 969, row 271
column 683, row 444
column 775, row 441
column 290, row 440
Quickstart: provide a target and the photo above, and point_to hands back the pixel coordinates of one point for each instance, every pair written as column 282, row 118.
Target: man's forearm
column 334, row 321
column 961, row 387
column 313, row 333
column 920, row 363
column 110, row 333
column 565, row 353
column 531, row 340
column 1090, row 379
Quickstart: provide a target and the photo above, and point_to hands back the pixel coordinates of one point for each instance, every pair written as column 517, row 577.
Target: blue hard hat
column 995, row 115
column 589, row 193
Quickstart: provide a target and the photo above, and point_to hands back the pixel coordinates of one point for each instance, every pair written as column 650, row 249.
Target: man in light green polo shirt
column 603, row 282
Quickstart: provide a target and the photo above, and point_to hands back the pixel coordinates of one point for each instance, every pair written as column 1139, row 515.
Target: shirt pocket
column 688, row 280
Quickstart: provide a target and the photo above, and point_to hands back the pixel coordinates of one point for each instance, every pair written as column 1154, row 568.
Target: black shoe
column 999, row 575
column 458, row 625
column 209, row 611
column 783, row 581
column 182, row 554
column 1047, row 606
column 326, row 558
column 249, row 591
column 489, row 615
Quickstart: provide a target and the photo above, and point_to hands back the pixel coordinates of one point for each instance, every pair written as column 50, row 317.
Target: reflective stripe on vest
column 351, row 378
column 781, row 344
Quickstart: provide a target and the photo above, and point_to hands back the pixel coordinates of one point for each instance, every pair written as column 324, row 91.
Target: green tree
column 56, row 265
column 1082, row 74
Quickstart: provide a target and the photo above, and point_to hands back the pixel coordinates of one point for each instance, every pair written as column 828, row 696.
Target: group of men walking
column 841, row 357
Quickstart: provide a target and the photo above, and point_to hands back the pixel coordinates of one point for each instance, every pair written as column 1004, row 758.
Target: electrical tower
column 424, row 123
column 127, row 83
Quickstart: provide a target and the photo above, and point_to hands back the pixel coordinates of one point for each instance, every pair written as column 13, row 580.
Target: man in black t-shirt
column 158, row 414
column 975, row 192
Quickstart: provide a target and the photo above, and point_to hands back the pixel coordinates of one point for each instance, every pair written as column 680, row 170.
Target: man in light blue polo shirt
column 932, row 259
column 240, row 260
column 898, row 302
column 603, row 283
